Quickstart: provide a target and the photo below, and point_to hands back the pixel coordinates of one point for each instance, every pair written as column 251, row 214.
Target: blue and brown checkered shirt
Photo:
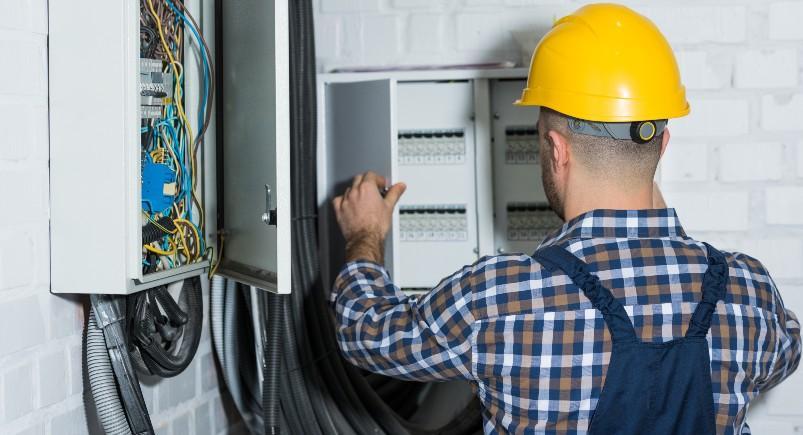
column 535, row 348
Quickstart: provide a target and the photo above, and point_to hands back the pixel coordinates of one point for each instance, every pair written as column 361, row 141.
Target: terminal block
column 521, row 145
column 432, row 147
column 441, row 223
column 155, row 88
column 530, row 221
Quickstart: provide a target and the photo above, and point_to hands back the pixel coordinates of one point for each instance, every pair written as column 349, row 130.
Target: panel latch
column 269, row 217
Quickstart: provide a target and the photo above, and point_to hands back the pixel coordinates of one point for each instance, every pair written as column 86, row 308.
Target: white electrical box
column 468, row 156
column 136, row 201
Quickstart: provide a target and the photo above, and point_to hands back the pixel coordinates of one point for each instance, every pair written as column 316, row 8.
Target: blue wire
column 207, row 70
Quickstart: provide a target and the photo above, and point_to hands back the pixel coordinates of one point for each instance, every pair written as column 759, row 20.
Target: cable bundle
column 169, row 140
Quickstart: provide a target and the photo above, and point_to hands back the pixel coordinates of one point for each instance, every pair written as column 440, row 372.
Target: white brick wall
column 41, row 385
column 734, row 169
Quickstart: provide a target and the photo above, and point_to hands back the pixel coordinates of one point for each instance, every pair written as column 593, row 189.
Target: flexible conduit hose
column 102, row 383
column 271, row 363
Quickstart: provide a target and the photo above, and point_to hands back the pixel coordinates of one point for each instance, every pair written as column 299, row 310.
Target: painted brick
column 784, row 205
column 36, row 429
column 781, row 256
column 767, row 69
column 52, row 379
column 181, row 424
column 350, row 5
column 751, row 162
column 17, row 392
column 425, row 33
column 16, row 257
column 180, row 389
column 24, row 133
column 209, row 374
column 785, row 19
column 72, row 422
column 689, row 24
column 800, row 160
column 782, row 112
column 76, row 363
column 711, row 211
column 327, row 36
column 685, row 162
column 27, row 15
column 482, row 32
column 66, row 316
column 20, row 312
column 419, row 4
column 29, row 57
column 701, row 70
column 27, row 190
column 709, row 117
column 203, row 424
column 383, row 44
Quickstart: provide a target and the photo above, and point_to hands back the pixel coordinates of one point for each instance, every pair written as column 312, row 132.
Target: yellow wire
column 159, row 251
column 173, row 63
column 195, row 232
column 178, row 72
column 218, row 257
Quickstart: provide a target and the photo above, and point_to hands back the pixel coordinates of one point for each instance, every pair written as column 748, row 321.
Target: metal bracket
column 269, row 217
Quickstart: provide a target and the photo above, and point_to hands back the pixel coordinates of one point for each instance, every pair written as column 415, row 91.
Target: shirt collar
column 623, row 224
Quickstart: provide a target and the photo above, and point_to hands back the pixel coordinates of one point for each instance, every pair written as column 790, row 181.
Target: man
column 620, row 322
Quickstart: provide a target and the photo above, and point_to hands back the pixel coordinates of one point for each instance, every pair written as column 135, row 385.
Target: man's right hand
column 364, row 215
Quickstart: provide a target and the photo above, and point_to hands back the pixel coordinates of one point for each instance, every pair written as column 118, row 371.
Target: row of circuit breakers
column 529, row 222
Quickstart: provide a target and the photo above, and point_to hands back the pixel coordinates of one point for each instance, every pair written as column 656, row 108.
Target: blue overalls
column 650, row 388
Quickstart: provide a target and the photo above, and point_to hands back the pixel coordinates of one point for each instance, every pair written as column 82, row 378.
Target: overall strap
column 619, row 324
column 714, row 282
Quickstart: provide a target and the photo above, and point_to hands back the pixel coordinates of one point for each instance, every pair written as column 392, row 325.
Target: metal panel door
column 255, row 169
column 360, row 136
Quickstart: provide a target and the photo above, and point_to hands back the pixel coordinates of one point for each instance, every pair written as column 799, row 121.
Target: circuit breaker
column 469, row 157
column 145, row 190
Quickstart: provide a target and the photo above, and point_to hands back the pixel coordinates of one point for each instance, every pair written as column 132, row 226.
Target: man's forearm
column 366, row 246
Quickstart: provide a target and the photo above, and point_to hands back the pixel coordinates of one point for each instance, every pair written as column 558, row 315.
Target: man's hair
column 607, row 157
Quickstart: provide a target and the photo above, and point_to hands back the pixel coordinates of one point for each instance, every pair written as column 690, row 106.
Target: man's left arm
column 381, row 329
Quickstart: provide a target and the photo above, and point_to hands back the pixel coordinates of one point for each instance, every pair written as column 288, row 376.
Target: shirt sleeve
column 381, row 329
column 788, row 343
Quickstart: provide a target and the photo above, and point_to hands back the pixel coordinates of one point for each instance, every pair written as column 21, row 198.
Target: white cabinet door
column 254, row 163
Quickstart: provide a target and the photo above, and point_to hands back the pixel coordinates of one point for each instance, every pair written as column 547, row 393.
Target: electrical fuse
column 433, row 223
column 530, row 221
column 432, row 147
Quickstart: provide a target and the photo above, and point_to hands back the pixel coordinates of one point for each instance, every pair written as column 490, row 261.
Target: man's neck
column 597, row 196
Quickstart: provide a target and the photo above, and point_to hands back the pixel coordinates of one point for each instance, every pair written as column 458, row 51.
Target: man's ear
column 665, row 141
column 560, row 149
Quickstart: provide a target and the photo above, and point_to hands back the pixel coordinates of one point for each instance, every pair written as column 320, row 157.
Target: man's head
column 571, row 160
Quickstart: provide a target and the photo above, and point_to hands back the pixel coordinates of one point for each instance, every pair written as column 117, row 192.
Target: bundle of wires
column 169, row 140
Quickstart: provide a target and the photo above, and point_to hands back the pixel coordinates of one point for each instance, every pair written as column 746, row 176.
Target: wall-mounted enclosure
column 139, row 196
column 468, row 156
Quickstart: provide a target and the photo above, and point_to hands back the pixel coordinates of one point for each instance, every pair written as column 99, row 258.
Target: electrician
column 619, row 322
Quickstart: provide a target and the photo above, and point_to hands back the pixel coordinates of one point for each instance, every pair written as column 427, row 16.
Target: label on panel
column 437, row 214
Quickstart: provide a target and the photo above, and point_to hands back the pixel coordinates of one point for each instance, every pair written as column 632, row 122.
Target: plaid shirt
column 533, row 346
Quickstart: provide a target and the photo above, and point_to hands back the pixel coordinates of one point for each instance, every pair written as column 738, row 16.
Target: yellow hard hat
column 606, row 63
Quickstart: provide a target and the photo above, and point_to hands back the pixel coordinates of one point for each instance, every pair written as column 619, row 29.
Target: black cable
column 164, row 335
column 271, row 362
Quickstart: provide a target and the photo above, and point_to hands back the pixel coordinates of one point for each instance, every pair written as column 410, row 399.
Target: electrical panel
column 139, row 148
column 469, row 157
column 522, row 214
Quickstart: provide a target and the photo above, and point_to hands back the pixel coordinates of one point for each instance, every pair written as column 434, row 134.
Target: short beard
column 550, row 188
